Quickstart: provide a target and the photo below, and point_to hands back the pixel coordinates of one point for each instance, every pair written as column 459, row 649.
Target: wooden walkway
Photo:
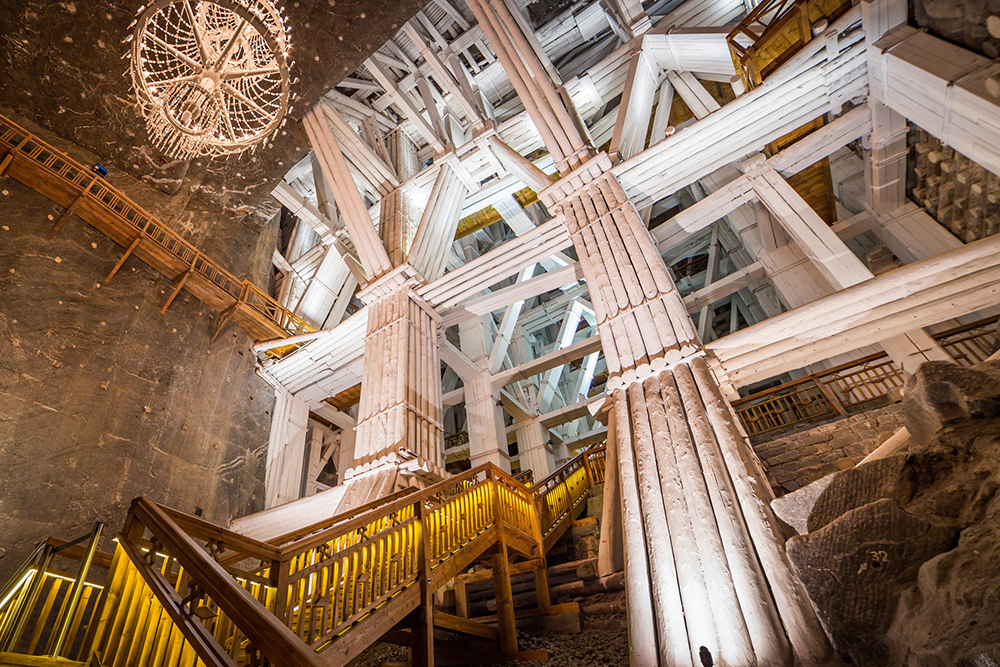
column 81, row 192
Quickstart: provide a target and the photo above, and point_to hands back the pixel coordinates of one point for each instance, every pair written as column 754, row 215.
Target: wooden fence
column 838, row 389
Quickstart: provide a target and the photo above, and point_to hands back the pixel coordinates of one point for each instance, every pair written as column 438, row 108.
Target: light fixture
column 211, row 77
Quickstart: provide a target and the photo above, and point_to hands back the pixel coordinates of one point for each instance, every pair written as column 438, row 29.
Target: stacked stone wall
column 803, row 454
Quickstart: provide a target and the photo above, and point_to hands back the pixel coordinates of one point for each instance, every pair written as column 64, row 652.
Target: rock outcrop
column 901, row 555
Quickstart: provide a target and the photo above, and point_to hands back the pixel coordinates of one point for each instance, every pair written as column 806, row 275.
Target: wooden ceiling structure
column 500, row 329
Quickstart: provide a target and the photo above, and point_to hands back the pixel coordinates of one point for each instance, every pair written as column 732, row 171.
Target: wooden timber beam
column 920, row 294
column 808, row 150
column 548, row 361
column 518, row 292
column 724, row 287
column 338, row 175
column 178, row 285
column 70, row 210
column 125, row 256
column 406, row 107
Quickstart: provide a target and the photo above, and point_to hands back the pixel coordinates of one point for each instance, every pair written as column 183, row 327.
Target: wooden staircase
column 181, row 591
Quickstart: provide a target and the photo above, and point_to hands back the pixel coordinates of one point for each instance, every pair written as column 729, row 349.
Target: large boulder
column 902, row 554
column 856, row 567
column 941, row 394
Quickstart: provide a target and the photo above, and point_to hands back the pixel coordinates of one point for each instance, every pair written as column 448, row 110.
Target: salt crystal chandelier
column 211, row 77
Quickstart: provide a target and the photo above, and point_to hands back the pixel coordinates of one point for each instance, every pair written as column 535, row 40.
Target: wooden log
column 755, row 618
column 797, row 617
column 642, row 627
column 677, row 571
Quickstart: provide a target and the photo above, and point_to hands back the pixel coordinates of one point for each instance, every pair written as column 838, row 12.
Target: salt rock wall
column 901, row 555
column 102, row 398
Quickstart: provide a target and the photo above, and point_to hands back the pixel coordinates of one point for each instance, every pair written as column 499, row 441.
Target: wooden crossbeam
column 121, row 262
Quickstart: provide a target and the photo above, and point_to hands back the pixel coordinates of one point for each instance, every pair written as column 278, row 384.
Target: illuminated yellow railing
column 182, row 592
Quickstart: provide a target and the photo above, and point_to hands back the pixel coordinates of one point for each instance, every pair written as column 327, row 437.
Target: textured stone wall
column 803, row 454
column 102, row 398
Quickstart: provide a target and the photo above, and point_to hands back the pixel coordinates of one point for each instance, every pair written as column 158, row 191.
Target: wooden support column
column 68, row 213
column 683, row 474
column 9, row 157
column 487, row 438
column 885, row 159
column 438, row 225
column 406, row 107
column 693, row 93
column 359, row 225
column 121, row 262
column 532, row 83
column 661, row 119
column 610, row 556
column 505, row 600
column 422, row 625
column 285, row 449
column 636, row 106
column 399, row 416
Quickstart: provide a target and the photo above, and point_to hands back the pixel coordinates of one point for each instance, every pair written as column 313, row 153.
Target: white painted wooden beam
column 545, row 362
column 917, row 295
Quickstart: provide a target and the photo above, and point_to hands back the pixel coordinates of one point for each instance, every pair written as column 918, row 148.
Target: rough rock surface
column 910, row 578
column 102, row 398
column 604, row 640
column 799, row 455
column 858, row 565
column 61, row 66
column 940, row 393
column 856, row 487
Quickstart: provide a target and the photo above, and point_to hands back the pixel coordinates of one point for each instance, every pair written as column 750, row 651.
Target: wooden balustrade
column 776, row 30
column 81, row 191
column 849, row 385
column 182, row 591
column 39, row 601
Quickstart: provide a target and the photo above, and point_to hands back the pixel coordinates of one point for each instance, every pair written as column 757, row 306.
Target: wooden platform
column 81, row 192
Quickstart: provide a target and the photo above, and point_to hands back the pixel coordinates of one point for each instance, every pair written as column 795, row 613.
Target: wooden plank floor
column 80, row 192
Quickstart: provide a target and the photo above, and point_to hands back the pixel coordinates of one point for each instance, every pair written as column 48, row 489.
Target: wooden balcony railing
column 838, row 389
column 81, row 191
column 774, row 31
column 559, row 495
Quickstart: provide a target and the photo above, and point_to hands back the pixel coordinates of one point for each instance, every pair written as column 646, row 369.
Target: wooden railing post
column 279, row 575
column 590, row 471
column 422, row 627
column 505, row 601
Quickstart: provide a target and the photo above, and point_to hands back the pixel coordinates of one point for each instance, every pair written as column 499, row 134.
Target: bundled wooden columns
column 641, row 318
column 705, row 565
column 399, row 419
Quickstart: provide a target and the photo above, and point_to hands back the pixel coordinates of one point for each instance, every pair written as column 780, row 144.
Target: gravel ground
column 604, row 641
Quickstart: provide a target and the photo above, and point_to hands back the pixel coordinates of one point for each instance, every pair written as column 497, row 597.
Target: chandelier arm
column 242, row 74
column 198, row 37
column 180, row 79
column 183, row 57
column 228, row 51
column 233, row 92
column 221, row 101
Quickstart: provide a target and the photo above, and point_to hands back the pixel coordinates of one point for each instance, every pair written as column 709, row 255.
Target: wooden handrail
column 857, row 362
column 263, row 629
column 247, row 547
column 307, row 531
column 145, row 225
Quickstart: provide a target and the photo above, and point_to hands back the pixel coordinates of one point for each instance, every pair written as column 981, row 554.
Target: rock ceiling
column 61, row 66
